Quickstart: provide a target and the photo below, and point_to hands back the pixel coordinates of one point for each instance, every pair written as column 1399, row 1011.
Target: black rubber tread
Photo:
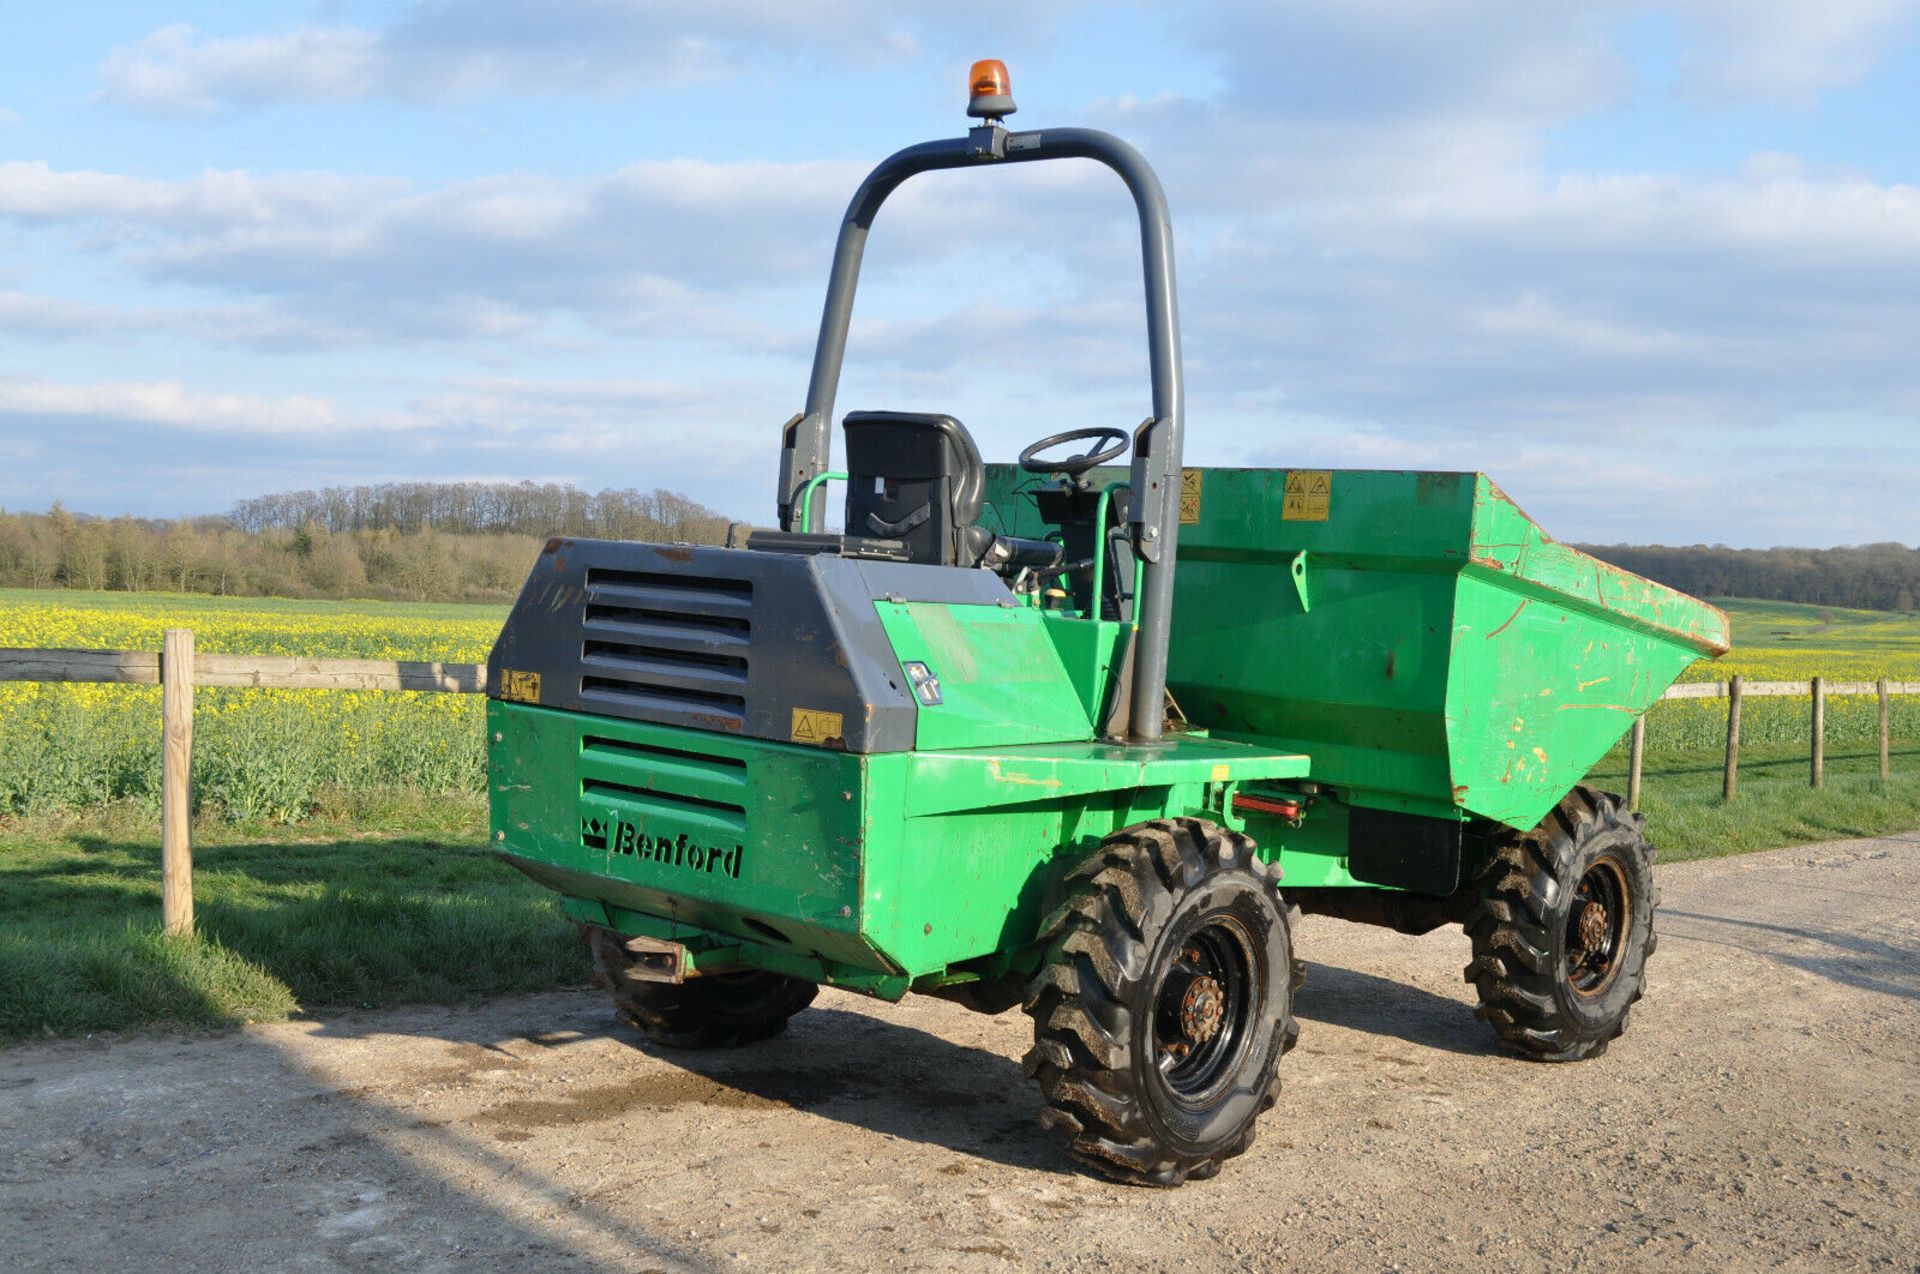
column 1096, row 982
column 715, row 1011
column 1299, row 972
column 1518, row 921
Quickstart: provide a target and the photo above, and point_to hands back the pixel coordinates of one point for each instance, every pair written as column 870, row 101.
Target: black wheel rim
column 1201, row 1009
column 1597, row 924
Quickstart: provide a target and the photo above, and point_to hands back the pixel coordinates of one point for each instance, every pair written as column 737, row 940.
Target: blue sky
column 1655, row 267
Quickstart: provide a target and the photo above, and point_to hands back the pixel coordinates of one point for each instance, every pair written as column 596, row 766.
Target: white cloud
column 24, row 314
column 1786, row 50
column 1361, row 61
column 173, row 72
column 171, row 405
column 1509, row 303
column 513, row 405
column 466, row 48
column 35, row 191
column 1381, row 243
column 259, row 326
column 653, row 422
column 674, row 247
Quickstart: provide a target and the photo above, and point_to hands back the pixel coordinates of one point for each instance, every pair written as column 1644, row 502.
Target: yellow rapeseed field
column 266, row 753
column 258, row 753
column 1777, row 641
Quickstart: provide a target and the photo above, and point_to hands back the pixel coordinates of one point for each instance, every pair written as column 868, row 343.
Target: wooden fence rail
column 261, row 672
column 178, row 669
column 1723, row 689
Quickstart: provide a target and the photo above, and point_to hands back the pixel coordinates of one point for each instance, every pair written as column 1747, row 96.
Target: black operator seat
column 917, row 478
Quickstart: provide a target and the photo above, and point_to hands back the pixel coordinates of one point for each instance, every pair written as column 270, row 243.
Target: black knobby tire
column 1299, row 970
column 1165, row 1003
column 721, row 1010
column 1562, row 925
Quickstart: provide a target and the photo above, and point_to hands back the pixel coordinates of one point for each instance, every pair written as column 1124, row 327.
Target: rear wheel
column 1165, row 1003
column 1562, row 925
column 720, row 1010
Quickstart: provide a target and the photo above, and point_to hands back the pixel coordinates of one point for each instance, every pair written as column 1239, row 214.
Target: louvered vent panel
column 673, row 644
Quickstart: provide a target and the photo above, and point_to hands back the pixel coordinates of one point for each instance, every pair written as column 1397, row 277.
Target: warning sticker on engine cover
column 810, row 725
column 520, row 687
column 1309, row 495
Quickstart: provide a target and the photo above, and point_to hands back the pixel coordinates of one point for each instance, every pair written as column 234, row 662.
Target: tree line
column 1865, row 577
column 401, row 541
column 486, row 508
column 475, row 541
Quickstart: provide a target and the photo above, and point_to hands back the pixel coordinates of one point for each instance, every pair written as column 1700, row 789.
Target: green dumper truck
column 1085, row 737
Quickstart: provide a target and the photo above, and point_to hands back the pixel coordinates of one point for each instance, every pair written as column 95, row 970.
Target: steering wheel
column 1074, row 466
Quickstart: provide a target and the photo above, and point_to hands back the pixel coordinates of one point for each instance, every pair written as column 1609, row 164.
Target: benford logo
column 680, row 851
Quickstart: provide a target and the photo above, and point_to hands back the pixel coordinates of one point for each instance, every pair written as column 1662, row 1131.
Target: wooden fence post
column 1636, row 751
column 1732, row 780
column 176, row 771
column 1886, row 736
column 1819, row 732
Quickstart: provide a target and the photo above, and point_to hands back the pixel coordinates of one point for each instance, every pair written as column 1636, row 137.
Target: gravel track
column 1760, row 1111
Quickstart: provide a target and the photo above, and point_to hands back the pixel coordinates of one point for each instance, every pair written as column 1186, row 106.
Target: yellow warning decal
column 810, row 725
column 1189, row 496
column 1221, row 773
column 1309, row 495
column 520, row 687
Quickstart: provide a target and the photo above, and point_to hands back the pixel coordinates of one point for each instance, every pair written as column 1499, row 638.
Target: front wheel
column 722, row 1010
column 1165, row 1003
column 1562, row 925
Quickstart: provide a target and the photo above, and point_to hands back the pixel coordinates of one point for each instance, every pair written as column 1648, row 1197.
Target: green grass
column 335, row 914
column 1775, row 804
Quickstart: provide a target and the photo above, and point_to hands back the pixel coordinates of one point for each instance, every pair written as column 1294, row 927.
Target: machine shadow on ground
column 887, row 1078
column 1380, row 1006
column 833, row 1063
column 355, row 1180
column 1864, row 963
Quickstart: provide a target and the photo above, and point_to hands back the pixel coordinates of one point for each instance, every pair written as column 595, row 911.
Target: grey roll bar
column 807, row 439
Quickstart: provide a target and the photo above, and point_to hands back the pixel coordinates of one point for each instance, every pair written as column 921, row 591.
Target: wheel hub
column 1597, row 923
column 1201, row 1010
column 1202, row 1007
column 1593, row 926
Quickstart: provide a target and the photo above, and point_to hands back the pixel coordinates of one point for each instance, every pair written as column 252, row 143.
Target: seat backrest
column 918, row 479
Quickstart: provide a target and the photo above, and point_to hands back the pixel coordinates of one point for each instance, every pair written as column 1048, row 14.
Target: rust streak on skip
column 1516, row 614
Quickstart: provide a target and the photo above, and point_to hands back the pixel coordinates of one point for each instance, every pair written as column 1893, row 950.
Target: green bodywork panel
column 1001, row 677
column 1417, row 634
column 868, row 871
column 1088, row 649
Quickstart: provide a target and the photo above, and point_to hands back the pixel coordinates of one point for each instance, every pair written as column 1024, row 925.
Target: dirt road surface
column 1761, row 1111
